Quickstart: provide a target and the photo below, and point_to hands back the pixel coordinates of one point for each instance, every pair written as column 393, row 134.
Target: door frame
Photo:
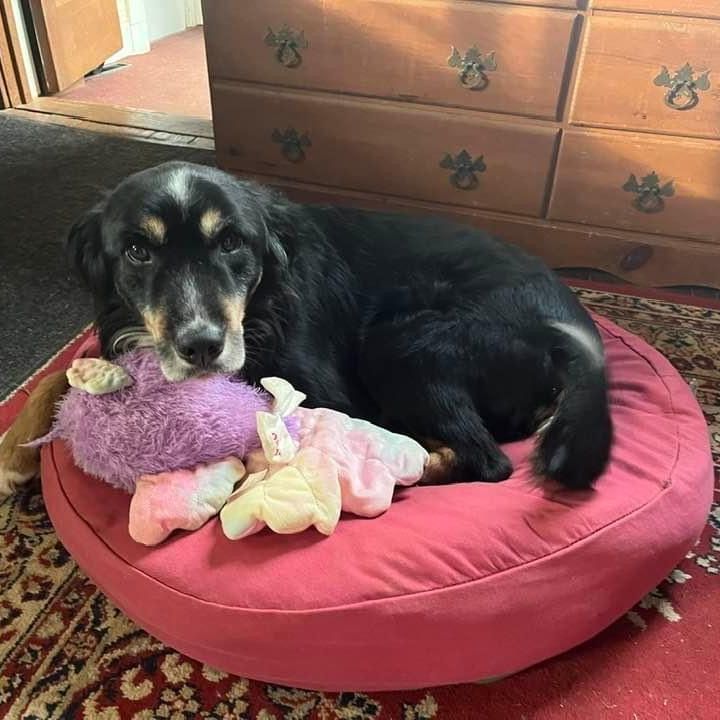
column 15, row 86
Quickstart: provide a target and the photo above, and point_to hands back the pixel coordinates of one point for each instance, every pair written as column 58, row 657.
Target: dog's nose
column 200, row 348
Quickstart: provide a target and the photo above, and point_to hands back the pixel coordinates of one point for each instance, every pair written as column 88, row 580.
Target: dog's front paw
column 17, row 466
column 487, row 464
column 494, row 467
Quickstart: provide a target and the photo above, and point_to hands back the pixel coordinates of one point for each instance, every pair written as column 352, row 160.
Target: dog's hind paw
column 17, row 466
column 10, row 480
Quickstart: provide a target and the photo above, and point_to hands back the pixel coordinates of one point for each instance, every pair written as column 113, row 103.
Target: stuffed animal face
column 179, row 248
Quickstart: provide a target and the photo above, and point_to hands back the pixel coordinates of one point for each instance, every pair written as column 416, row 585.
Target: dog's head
column 181, row 248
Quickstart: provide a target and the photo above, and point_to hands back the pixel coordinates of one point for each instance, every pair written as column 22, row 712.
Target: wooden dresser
column 587, row 132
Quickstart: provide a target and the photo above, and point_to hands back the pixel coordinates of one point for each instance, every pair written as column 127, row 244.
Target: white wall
column 133, row 26
column 144, row 21
column 164, row 17
column 193, row 13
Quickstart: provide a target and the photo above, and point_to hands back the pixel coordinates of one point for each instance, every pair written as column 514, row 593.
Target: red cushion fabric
column 452, row 584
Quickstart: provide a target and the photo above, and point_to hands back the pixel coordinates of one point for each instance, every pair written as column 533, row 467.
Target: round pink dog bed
column 453, row 584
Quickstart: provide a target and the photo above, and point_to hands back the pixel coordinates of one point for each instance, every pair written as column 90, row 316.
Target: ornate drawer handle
column 292, row 144
column 464, row 168
column 649, row 191
column 474, row 67
column 683, row 86
column 637, row 257
column 288, row 44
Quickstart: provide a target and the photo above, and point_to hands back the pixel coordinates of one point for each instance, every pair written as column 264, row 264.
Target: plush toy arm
column 97, row 376
column 287, row 398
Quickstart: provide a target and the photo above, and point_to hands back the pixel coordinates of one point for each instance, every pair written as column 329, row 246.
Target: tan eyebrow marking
column 210, row 222
column 155, row 228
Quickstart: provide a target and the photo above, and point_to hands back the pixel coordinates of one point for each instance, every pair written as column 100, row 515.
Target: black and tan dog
column 423, row 326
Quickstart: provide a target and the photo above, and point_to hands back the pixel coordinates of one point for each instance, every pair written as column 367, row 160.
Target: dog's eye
column 229, row 244
column 137, row 254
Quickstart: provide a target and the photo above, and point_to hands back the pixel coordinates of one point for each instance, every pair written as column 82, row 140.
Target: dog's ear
column 274, row 211
column 275, row 246
column 280, row 221
column 84, row 251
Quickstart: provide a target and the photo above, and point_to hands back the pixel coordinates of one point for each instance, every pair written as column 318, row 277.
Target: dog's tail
column 574, row 447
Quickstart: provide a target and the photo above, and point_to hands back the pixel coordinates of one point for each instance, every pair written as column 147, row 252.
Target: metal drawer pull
column 473, row 67
column 649, row 191
column 288, row 44
column 636, row 258
column 683, row 86
column 464, row 168
column 292, row 144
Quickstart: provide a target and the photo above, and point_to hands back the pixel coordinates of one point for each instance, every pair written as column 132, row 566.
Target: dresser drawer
column 701, row 8
column 445, row 156
column 396, row 49
column 651, row 73
column 636, row 182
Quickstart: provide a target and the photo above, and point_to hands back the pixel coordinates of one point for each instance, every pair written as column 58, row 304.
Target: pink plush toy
column 338, row 463
column 179, row 448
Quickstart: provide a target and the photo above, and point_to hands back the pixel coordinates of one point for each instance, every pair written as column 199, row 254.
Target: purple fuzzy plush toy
column 176, row 447
column 153, row 426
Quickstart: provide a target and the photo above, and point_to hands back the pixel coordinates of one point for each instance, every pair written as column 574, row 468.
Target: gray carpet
column 49, row 175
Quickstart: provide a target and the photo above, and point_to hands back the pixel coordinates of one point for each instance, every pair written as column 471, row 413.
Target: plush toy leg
column 286, row 498
column 368, row 492
column 180, row 500
column 320, row 475
column 371, row 461
column 242, row 515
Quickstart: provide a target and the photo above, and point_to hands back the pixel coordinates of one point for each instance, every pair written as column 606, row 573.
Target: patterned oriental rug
column 66, row 652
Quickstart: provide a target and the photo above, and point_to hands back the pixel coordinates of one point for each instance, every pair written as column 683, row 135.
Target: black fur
column 427, row 327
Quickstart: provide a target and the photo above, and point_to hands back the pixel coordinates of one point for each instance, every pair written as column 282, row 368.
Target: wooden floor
column 143, row 125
